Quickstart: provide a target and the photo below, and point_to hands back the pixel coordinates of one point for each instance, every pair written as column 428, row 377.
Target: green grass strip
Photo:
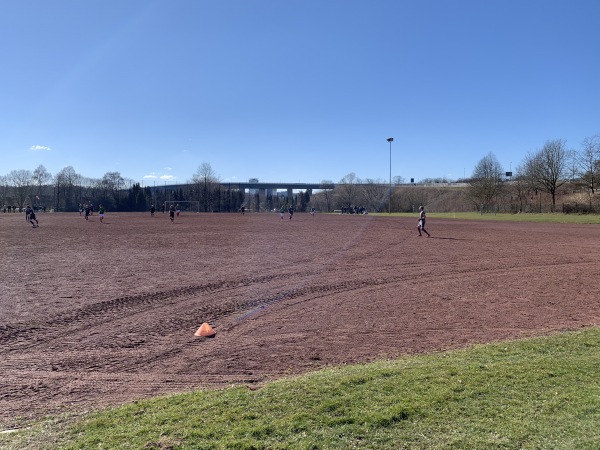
column 529, row 394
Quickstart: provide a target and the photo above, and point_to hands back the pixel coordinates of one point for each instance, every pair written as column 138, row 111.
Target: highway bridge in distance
column 244, row 186
column 289, row 187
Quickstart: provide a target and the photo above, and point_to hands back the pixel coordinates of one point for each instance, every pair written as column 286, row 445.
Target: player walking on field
column 421, row 225
column 101, row 213
column 172, row 213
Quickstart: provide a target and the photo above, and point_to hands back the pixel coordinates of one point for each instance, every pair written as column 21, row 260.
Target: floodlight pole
column 390, row 140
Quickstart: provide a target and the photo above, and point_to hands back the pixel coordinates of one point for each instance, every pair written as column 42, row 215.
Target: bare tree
column 546, row 169
column 41, row 178
column 520, row 187
column 22, row 181
column 92, row 189
column 375, row 194
column 588, row 162
column 486, row 183
column 412, row 197
column 66, row 183
column 112, row 183
column 327, row 193
column 205, row 181
column 3, row 190
column 347, row 190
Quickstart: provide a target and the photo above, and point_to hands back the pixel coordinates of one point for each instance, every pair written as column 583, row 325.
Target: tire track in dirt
column 229, row 313
column 21, row 336
column 318, row 291
column 107, row 311
column 158, row 342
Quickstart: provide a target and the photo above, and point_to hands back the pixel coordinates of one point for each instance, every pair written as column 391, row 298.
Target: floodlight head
column 390, row 139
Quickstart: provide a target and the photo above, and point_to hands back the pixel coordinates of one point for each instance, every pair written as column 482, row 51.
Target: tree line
column 68, row 190
column 489, row 189
column 547, row 170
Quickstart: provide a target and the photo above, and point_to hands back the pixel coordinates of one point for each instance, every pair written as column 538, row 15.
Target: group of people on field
column 16, row 209
column 354, row 210
column 290, row 212
column 88, row 210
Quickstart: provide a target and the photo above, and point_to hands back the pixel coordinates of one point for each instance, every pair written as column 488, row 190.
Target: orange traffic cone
column 205, row 330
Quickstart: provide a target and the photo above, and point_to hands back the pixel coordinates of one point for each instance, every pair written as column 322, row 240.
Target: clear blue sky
column 293, row 90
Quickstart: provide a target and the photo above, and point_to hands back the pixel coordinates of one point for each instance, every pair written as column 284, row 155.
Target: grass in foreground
column 535, row 393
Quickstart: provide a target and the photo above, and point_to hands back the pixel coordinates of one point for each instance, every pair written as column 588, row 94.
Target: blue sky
column 293, row 90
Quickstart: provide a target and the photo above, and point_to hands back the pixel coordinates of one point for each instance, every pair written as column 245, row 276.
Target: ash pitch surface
column 99, row 314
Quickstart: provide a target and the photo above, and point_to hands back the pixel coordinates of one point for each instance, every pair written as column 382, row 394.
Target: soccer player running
column 421, row 225
column 33, row 220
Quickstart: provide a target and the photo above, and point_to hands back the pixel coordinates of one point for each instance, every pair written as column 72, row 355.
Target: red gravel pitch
column 95, row 314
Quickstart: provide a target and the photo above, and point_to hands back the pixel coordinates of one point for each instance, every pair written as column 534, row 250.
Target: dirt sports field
column 95, row 314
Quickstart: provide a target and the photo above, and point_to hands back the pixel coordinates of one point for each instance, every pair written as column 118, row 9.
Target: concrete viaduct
column 289, row 187
column 243, row 186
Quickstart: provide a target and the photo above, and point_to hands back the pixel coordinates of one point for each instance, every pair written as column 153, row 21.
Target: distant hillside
column 570, row 199
column 440, row 198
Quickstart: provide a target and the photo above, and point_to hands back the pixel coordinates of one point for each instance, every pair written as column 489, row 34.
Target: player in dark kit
column 172, row 213
column 33, row 220
column 421, row 225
